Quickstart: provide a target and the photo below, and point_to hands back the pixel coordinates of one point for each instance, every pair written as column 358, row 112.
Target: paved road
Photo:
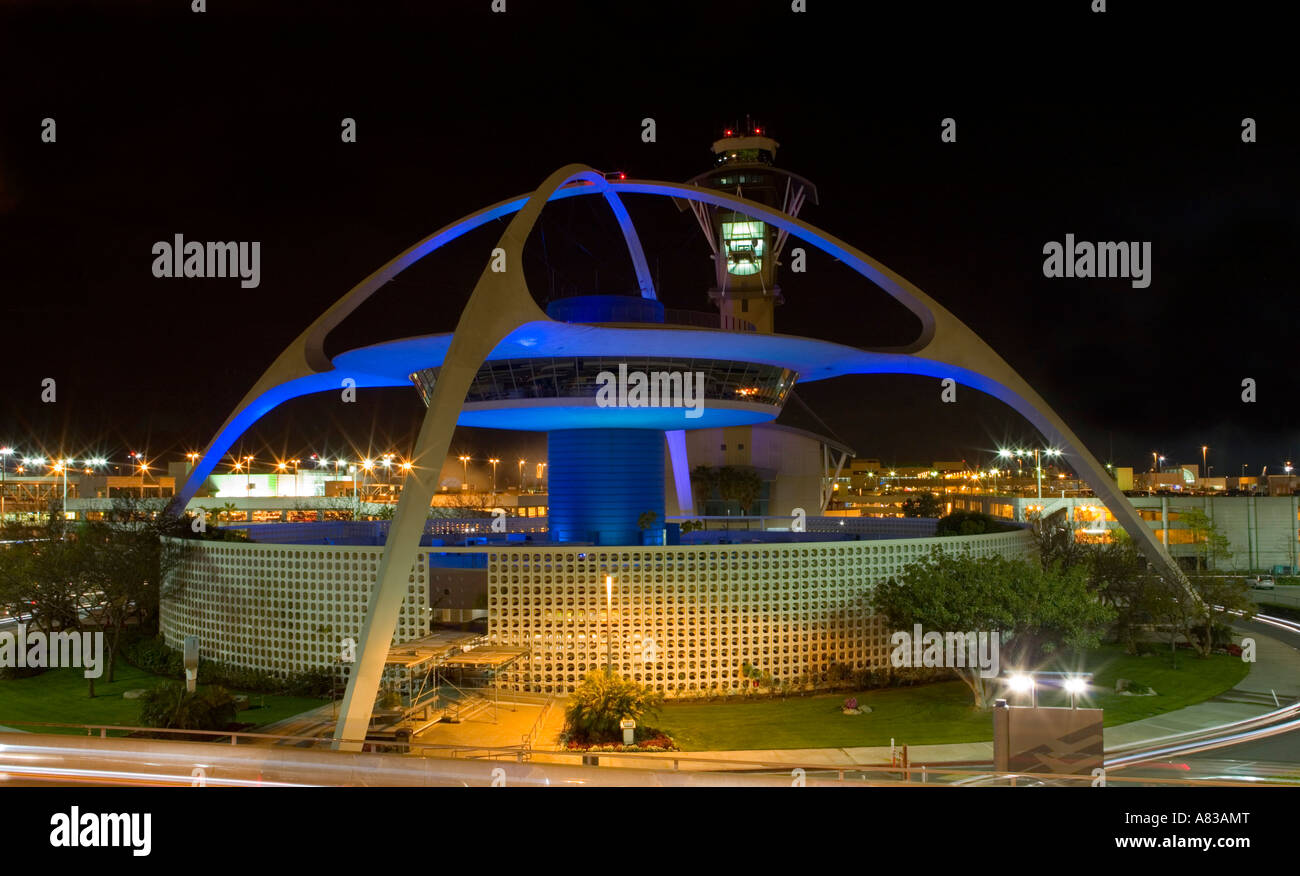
column 1272, row 757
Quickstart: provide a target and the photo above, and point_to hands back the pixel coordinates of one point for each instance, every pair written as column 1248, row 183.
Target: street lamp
column 1204, row 470
column 60, row 466
column 464, row 467
column 521, row 474
column 367, row 466
column 1038, row 468
column 4, row 452
column 494, row 462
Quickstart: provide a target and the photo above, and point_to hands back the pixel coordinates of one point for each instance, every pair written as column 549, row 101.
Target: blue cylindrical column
column 601, row 481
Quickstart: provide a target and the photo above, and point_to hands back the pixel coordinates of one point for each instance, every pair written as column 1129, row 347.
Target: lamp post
column 521, row 474
column 464, row 468
column 609, row 623
column 4, row 453
column 1204, row 471
column 248, row 476
column 60, row 466
column 494, row 462
column 1038, row 468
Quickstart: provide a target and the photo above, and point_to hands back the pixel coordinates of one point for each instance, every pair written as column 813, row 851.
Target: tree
column 742, row 486
column 1219, row 595
column 1210, row 544
column 1038, row 610
column 1118, row 575
column 967, row 523
column 125, row 560
column 601, row 701
column 1056, row 542
column 923, row 505
column 738, row 484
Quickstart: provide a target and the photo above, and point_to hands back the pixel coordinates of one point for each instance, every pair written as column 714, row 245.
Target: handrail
column 530, row 738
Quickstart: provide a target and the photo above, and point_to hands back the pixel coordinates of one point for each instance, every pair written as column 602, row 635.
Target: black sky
column 225, row 126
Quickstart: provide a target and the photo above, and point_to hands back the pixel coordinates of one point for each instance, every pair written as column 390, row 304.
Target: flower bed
column 660, row 742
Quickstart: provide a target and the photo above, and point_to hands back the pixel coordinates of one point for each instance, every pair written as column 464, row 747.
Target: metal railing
column 530, row 738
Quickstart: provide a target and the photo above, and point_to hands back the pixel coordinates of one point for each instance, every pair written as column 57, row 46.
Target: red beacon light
column 727, row 132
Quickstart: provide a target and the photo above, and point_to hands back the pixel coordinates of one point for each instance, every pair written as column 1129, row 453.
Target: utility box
column 628, row 726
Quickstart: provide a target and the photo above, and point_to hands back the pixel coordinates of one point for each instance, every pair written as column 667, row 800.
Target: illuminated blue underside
column 543, row 419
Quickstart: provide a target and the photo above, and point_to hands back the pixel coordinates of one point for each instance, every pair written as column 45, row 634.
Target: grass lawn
column 59, row 696
column 937, row 713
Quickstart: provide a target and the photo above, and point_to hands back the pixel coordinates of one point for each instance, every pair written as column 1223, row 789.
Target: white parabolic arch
column 501, row 302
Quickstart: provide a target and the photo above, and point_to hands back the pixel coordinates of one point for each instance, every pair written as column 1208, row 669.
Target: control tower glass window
column 744, row 243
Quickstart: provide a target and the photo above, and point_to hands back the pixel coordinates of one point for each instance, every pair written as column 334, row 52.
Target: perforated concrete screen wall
column 790, row 609
column 281, row 608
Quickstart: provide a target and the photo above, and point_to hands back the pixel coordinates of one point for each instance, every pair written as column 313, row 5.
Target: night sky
column 225, row 126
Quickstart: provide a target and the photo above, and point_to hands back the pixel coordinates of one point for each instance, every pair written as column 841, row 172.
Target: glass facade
column 572, row 377
column 745, row 243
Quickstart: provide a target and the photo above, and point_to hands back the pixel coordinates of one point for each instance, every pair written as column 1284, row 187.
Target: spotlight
column 1020, row 683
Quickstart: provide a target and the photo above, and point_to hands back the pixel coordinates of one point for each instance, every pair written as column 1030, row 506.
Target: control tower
column 746, row 252
column 793, row 456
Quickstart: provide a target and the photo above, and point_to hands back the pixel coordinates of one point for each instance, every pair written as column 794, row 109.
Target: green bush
column 153, row 655
column 10, row 673
column 169, row 705
column 969, row 523
column 870, row 679
column 600, row 702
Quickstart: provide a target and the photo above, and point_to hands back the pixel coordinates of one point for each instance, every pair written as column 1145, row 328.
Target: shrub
column 870, row 679
column 602, row 700
column 170, row 705
column 153, row 655
column 968, row 523
column 10, row 673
